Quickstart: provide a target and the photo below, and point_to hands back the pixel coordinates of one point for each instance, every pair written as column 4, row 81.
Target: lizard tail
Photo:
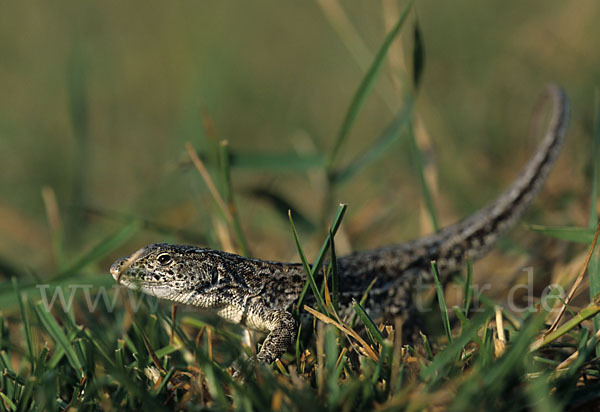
column 474, row 236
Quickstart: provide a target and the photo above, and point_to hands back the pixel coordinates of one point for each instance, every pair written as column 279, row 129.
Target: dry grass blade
column 576, row 284
column 327, row 295
column 152, row 354
column 346, row 30
column 199, row 165
column 564, row 364
column 52, row 210
column 341, row 357
column 500, row 324
column 209, row 338
column 173, row 323
column 128, row 263
column 55, row 223
column 197, row 341
column 589, row 311
column 500, row 343
column 326, row 319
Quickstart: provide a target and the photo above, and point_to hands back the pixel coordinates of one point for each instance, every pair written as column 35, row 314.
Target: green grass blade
column 366, row 85
column 99, row 348
column 272, row 162
column 460, row 315
column 520, row 346
column 594, row 274
column 229, row 200
column 368, row 322
column 120, row 354
column 77, row 89
column 8, row 298
column 465, row 322
column 164, row 382
column 418, row 63
column 468, row 288
column 585, row 351
column 215, row 387
column 278, row 202
column 442, row 301
column 277, row 162
column 14, row 377
column 570, row 234
column 495, row 376
column 540, row 395
column 335, row 288
column 5, row 362
column 452, row 351
column 595, row 161
column 167, row 350
column 378, row 148
column 24, row 403
column 309, row 272
column 26, row 324
column 102, row 249
column 331, row 355
column 187, row 235
column 426, row 345
column 337, row 220
column 363, row 300
column 58, row 335
column 586, row 313
column 297, row 345
column 594, row 265
column 7, row 402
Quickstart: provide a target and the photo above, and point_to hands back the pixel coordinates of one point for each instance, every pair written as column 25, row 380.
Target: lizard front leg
column 282, row 333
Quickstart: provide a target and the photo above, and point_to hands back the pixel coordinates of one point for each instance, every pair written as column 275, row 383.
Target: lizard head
column 182, row 274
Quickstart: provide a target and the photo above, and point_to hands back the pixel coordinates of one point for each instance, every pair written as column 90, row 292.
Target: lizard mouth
column 156, row 289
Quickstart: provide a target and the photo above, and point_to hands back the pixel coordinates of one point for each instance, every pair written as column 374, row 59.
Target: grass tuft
column 136, row 354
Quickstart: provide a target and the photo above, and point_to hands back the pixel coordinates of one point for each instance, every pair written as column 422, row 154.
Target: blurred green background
column 98, row 99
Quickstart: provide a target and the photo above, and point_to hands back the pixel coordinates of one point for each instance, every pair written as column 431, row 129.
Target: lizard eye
column 164, row 259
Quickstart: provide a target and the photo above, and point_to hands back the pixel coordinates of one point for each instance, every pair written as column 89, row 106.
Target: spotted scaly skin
column 259, row 294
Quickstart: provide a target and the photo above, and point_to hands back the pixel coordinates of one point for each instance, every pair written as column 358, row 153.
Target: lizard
column 259, row 294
